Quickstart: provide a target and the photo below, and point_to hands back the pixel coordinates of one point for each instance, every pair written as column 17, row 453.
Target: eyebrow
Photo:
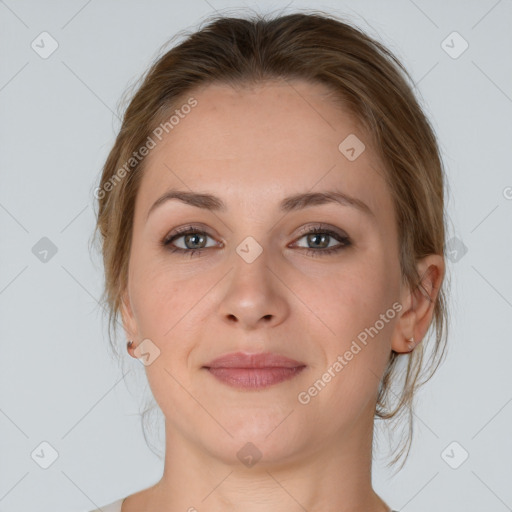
column 292, row 203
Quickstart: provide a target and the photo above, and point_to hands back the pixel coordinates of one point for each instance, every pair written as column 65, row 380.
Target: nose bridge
column 256, row 253
column 251, row 260
column 250, row 233
column 251, row 249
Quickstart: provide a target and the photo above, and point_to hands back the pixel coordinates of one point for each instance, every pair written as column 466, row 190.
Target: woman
column 272, row 227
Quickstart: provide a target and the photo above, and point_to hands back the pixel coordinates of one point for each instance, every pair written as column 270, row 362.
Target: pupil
column 189, row 237
column 320, row 236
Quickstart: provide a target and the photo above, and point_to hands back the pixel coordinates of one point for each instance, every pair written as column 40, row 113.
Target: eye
column 194, row 240
column 319, row 237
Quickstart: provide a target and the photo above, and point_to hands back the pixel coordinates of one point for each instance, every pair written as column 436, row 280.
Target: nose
column 254, row 295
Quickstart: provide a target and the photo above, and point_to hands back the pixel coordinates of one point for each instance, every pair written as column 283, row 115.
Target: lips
column 262, row 360
column 254, row 371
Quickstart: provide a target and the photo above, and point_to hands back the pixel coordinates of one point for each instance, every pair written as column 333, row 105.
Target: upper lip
column 248, row 360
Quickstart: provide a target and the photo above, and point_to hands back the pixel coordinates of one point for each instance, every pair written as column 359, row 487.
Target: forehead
column 255, row 145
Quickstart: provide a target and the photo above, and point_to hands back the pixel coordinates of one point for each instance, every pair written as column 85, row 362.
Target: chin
column 260, row 441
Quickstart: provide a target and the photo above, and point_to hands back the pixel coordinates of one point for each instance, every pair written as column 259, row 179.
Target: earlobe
column 128, row 319
column 404, row 339
column 419, row 306
column 411, row 344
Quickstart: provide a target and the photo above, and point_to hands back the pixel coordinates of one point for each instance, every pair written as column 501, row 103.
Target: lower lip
column 254, row 378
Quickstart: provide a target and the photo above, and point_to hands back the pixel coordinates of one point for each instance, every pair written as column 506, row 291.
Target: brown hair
column 365, row 76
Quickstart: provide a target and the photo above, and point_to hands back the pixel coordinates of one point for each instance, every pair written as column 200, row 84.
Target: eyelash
column 189, row 230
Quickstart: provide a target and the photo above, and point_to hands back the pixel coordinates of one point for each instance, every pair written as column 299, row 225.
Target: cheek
column 158, row 290
column 356, row 307
column 155, row 298
column 167, row 313
column 170, row 309
column 349, row 297
column 359, row 311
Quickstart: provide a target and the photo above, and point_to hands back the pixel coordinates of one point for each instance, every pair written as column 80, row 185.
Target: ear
column 418, row 305
column 129, row 323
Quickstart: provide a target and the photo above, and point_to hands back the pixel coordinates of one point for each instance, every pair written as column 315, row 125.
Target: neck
column 333, row 475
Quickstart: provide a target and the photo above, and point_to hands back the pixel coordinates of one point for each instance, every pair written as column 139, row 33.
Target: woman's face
column 257, row 282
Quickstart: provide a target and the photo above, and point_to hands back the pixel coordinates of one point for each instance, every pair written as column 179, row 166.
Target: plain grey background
column 58, row 382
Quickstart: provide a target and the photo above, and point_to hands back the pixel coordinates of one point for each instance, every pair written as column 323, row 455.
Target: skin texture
column 252, row 147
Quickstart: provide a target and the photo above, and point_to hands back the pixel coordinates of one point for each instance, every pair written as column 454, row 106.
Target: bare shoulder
column 135, row 502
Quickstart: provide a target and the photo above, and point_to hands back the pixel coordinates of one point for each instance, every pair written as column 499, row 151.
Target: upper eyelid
column 183, row 230
column 331, row 231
